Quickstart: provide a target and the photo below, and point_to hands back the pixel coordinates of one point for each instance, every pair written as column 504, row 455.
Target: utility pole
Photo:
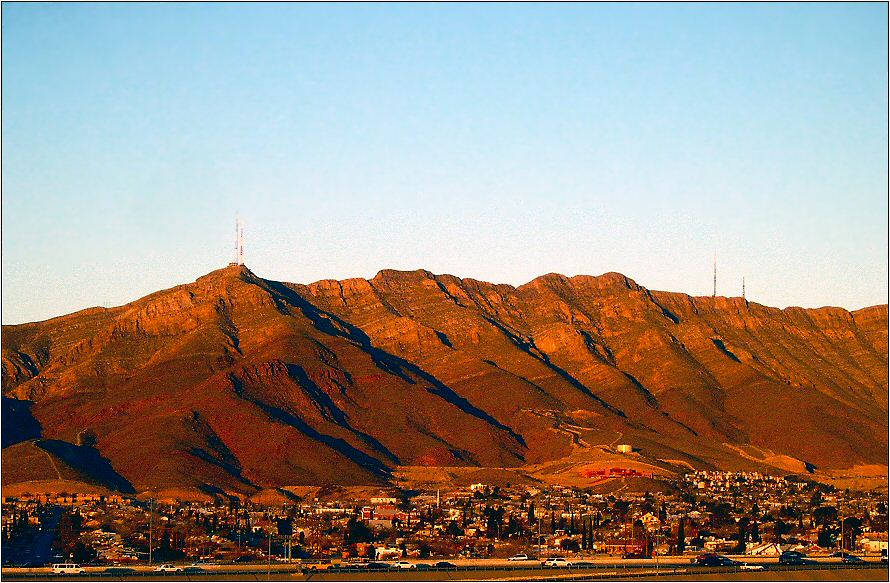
column 269, row 564
column 150, row 527
column 657, row 533
column 842, row 524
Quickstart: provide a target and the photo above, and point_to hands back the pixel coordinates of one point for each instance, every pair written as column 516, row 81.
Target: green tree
column 357, row 532
column 825, row 515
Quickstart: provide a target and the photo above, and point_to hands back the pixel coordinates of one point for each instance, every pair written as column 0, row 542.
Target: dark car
column 714, row 560
column 792, row 558
column 445, row 565
column 422, row 566
column 377, row 566
column 119, row 571
column 193, row 569
column 635, row 555
column 884, row 556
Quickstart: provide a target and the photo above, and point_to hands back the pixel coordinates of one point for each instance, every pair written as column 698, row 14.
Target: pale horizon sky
column 498, row 142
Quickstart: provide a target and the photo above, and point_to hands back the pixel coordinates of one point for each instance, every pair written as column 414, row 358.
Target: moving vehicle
column 792, row 558
column 519, row 557
column 320, row 565
column 557, row 562
column 635, row 555
column 168, row 568
column 68, row 569
column 403, row 565
column 377, row 565
column 119, row 570
column 445, row 565
column 750, row 567
column 713, row 560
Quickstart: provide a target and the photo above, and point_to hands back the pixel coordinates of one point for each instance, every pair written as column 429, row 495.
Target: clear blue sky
column 498, row 142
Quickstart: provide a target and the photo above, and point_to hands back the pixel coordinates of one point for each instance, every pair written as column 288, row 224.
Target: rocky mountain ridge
column 236, row 383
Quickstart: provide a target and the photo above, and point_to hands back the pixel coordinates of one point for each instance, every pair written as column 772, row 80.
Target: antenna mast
column 241, row 245
column 239, row 242
column 715, row 275
column 743, row 287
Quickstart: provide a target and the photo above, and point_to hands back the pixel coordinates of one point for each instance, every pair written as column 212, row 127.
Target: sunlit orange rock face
column 236, row 383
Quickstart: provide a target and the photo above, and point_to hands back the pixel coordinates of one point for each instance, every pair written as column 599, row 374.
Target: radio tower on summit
column 715, row 275
column 239, row 242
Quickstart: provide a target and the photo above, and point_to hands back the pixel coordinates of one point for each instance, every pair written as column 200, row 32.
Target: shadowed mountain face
column 237, row 383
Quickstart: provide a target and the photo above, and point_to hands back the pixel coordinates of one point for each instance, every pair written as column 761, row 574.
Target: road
column 489, row 570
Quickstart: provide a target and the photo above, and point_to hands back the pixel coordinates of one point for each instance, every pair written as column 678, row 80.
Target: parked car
column 635, row 555
column 750, row 567
column 67, row 569
column 403, row 565
column 557, row 562
column 519, row 557
column 193, row 569
column 792, row 558
column 119, row 571
column 884, row 556
column 168, row 568
column 422, row 566
column 851, row 559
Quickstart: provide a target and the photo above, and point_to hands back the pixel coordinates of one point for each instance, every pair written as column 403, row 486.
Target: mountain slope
column 237, row 383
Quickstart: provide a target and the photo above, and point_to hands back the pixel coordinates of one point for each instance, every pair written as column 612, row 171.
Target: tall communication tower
column 715, row 275
column 239, row 242
column 743, row 287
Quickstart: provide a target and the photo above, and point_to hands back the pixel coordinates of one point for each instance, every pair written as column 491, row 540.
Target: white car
column 557, row 562
column 750, row 567
column 519, row 557
column 168, row 568
column 403, row 565
column 67, row 569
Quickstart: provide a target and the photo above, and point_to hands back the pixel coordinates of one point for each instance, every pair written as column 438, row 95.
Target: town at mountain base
column 235, row 384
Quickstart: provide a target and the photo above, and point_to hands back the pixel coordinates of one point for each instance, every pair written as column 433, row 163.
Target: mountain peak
column 232, row 270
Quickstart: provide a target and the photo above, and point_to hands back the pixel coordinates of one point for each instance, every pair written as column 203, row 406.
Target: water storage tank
column 625, row 448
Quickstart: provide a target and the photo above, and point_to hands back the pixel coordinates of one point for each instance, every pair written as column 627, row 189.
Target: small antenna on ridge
column 715, row 275
column 241, row 245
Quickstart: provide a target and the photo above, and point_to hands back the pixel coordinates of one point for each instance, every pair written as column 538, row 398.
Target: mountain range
column 236, row 383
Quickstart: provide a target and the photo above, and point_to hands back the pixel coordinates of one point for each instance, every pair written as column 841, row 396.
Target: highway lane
column 502, row 572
